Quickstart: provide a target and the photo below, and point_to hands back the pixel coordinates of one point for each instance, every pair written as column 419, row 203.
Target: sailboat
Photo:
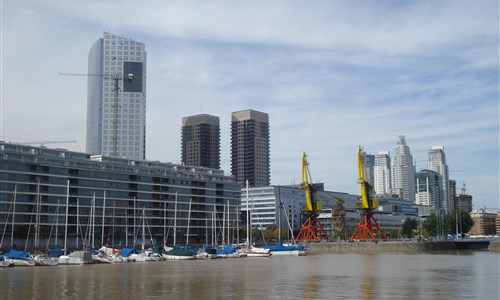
column 175, row 253
column 16, row 257
column 41, row 258
column 76, row 257
column 292, row 249
column 248, row 248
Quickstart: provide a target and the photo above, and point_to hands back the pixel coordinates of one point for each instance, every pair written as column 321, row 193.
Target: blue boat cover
column 281, row 247
column 226, row 250
column 17, row 254
column 56, row 252
column 127, row 251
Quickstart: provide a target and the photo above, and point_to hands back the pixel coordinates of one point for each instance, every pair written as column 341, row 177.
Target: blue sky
column 331, row 75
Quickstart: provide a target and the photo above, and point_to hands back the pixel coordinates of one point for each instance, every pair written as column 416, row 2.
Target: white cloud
column 331, row 75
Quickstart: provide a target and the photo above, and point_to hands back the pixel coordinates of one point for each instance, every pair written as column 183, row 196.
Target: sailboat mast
column 248, row 219
column 164, row 223
column 228, row 241
column 175, row 218
column 77, row 220
column 223, row 225
column 13, row 217
column 189, row 220
column 143, row 235
column 103, row 210
column 57, row 221
column 66, row 223
column 135, row 234
column 92, row 228
column 37, row 216
column 214, row 232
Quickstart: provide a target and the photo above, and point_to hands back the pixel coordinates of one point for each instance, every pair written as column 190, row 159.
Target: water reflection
column 325, row 276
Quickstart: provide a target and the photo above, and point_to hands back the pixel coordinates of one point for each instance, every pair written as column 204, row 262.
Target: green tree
column 269, row 231
column 461, row 220
column 435, row 225
column 430, row 225
column 408, row 228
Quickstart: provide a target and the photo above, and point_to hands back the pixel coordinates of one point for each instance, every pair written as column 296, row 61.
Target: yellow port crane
column 311, row 230
column 368, row 227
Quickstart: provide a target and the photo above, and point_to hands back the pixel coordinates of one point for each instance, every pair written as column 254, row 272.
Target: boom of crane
column 367, row 201
column 311, row 230
column 368, row 227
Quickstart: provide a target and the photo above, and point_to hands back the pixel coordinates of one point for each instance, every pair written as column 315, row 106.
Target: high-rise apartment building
column 250, row 150
column 437, row 163
column 382, row 173
column 403, row 171
column 428, row 189
column 369, row 161
column 116, row 98
column 201, row 141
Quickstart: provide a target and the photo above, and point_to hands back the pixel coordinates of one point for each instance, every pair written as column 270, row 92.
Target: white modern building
column 382, row 173
column 437, row 163
column 116, row 98
column 403, row 171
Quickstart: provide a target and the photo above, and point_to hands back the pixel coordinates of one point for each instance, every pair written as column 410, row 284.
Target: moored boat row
column 110, row 255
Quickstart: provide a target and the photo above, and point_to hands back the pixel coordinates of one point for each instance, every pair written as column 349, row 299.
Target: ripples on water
column 460, row 275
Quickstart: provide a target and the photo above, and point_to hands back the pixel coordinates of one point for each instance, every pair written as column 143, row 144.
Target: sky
column 332, row 75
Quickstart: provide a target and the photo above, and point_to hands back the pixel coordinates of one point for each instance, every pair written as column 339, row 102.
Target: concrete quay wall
column 382, row 246
column 494, row 246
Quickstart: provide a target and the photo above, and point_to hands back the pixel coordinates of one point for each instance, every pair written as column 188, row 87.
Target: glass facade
column 116, row 98
column 112, row 194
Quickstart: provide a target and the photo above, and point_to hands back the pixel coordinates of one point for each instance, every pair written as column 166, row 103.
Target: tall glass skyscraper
column 201, row 141
column 116, row 98
column 437, row 163
column 403, row 171
column 250, row 150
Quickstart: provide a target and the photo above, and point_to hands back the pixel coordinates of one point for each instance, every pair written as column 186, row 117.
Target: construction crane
column 115, row 77
column 43, row 143
column 368, row 227
column 311, row 229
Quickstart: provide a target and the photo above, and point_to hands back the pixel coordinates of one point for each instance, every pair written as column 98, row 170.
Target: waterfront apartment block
column 484, row 222
column 108, row 200
column 200, row 136
column 250, row 149
column 116, row 98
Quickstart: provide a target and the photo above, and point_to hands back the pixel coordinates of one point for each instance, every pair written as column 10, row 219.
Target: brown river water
column 431, row 275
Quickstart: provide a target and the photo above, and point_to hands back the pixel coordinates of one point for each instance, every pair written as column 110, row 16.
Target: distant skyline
column 331, row 75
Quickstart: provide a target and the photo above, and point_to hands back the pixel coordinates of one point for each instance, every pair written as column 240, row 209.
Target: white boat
column 22, row 262
column 5, row 263
column 19, row 258
column 287, row 249
column 45, row 260
column 102, row 258
column 256, row 252
column 248, row 249
column 76, row 258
